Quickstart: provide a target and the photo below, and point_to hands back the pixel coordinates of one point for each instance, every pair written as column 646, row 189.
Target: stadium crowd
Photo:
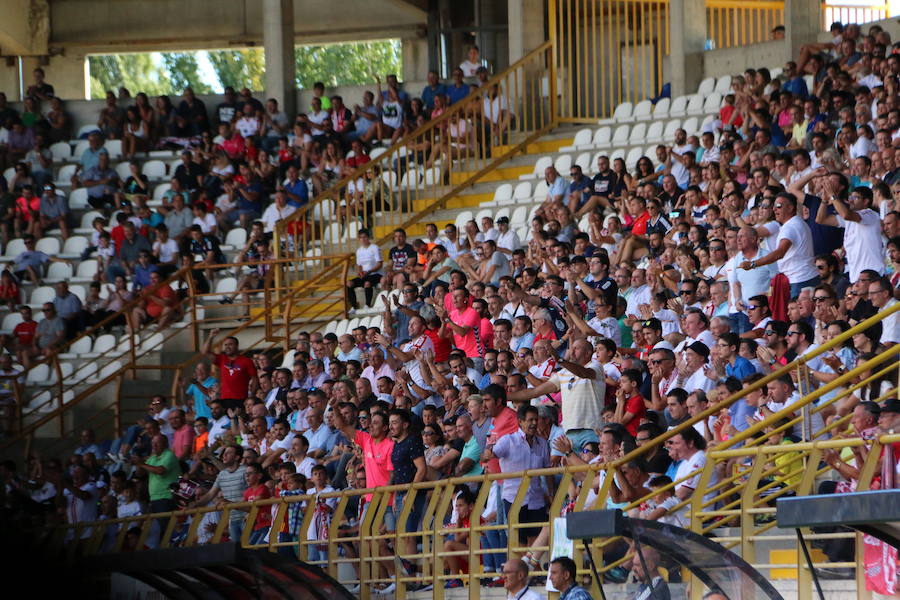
column 773, row 232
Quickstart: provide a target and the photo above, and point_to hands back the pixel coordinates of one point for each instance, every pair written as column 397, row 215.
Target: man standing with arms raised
column 237, row 373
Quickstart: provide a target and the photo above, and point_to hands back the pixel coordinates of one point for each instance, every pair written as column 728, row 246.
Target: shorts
column 528, row 515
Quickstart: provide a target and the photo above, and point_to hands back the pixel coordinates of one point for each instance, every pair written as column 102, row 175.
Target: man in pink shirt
column 503, row 419
column 183, row 438
column 377, row 367
column 461, row 323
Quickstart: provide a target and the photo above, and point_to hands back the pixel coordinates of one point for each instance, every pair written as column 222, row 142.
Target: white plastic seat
column 707, row 124
column 160, row 190
column 540, row 166
column 690, row 125
column 162, row 153
column 155, row 170
column 601, row 137
column 388, row 177
column 638, row 134
column 58, row 271
column 102, row 344
column 484, row 212
column 563, row 163
column 78, row 199
column 341, row 327
column 61, row 151
column 517, row 219
column 9, row 173
column 522, row 191
column 584, row 161
column 661, row 109
column 620, row 135
column 86, row 271
column 654, row 132
column 78, row 349
column 504, row 191
column 643, row 110
column 351, row 232
column 85, row 373
column 41, row 294
column 540, row 191
column 64, row 176
column 123, row 169
column 110, row 369
column 376, row 152
column 353, row 324
column 14, row 248
column 672, row 126
column 288, row 361
column 79, row 291
column 74, row 246
column 48, row 245
column 617, row 153
column 332, row 233
column 621, row 114
column 582, row 140
column 80, row 147
column 633, row 155
column 432, row 176
column 235, row 239
column 330, row 327
column 678, row 107
column 775, row 73
column 87, row 220
column 503, row 212
column 410, row 179
column 706, row 86
column 723, row 85
column 377, row 321
column 695, row 105
column 38, row 374
column 324, row 210
column 113, row 148
column 713, row 103
column 10, row 321
column 462, row 218
column 153, row 343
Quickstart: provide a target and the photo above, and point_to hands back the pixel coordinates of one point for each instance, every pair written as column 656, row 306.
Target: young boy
column 459, row 540
column 257, row 490
column 630, row 407
column 660, row 507
column 291, row 483
column 297, row 455
column 318, row 528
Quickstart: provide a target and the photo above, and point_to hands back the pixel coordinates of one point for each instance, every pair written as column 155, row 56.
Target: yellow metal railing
column 733, row 23
column 853, row 13
column 414, row 177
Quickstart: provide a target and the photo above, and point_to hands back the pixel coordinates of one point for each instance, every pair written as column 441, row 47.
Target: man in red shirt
column 630, row 407
column 237, row 373
column 461, row 323
column 503, row 419
column 22, row 342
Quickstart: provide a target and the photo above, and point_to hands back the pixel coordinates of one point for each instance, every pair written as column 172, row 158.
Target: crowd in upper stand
column 772, row 232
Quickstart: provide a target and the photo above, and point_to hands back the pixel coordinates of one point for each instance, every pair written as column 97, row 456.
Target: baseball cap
column 503, row 220
column 700, row 348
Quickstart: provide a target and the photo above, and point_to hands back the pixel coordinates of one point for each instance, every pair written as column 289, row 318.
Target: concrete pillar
column 414, row 58
column 9, row 78
column 526, row 27
column 803, row 24
column 278, row 41
column 67, row 74
column 687, row 35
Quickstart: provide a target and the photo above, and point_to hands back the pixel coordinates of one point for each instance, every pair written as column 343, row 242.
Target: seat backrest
column 638, row 133
column 623, row 110
column 81, row 345
column 671, row 127
column 484, row 212
column 66, row 172
column 661, row 108
column 504, row 191
column 540, row 190
column 712, row 102
column 462, row 218
column 87, row 218
column 61, row 151
column 15, row 247
column 44, row 293
column 124, row 170
column 655, row 130
column 79, row 291
column 523, row 190
column 517, row 219
column 113, row 148
column 78, row 199
column 583, row 137
column 105, row 342
column 563, row 164
column 541, row 165
column 678, row 106
column 75, row 244
column 236, row 237
column 48, row 245
column 154, row 169
column 584, row 161
column 723, row 84
column 695, row 102
column 59, row 270
column 87, row 268
column 642, row 109
column 38, row 374
column 706, row 86
column 160, row 190
column 11, row 320
column 620, row 135
column 602, row 135
column 690, row 125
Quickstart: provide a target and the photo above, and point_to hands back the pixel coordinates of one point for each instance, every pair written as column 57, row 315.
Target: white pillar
column 802, row 23
column 278, row 41
column 526, row 27
column 687, row 35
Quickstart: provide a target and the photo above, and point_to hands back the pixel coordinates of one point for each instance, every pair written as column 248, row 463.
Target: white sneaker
column 387, row 590
column 354, row 589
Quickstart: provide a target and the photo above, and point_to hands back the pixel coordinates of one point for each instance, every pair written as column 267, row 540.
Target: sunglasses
column 778, row 205
column 821, row 267
column 790, row 333
column 769, row 332
column 754, row 307
column 821, row 298
column 685, row 292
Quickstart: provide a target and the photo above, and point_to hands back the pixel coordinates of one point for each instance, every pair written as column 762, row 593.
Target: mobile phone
column 674, row 214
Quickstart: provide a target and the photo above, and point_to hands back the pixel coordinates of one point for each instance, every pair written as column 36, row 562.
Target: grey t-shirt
column 499, row 260
column 233, row 484
column 48, row 330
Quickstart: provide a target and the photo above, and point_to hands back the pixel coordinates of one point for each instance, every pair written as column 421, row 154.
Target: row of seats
column 340, row 327
column 694, row 105
column 655, row 132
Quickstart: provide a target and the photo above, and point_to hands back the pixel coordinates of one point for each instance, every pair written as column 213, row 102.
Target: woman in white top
column 495, row 109
column 472, row 62
column 391, row 124
column 136, row 133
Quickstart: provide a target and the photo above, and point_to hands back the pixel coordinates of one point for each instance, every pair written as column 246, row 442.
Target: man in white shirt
column 688, row 448
column 508, row 240
column 793, row 247
column 862, row 228
column 368, row 269
column 219, row 423
column 692, row 374
column 745, row 284
column 881, row 296
column 276, row 211
column 515, row 580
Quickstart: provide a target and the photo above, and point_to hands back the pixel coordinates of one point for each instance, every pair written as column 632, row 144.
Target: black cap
column 891, row 405
column 502, row 220
column 700, row 348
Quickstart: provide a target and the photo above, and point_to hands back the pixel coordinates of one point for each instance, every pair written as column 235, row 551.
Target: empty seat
column 723, row 85
column 235, row 239
column 706, row 86
column 110, row 369
column 541, row 165
column 160, row 190
column 342, row 327
column 102, row 344
column 584, row 161
column 388, row 177
column 690, row 125
column 39, row 295
column 87, row 219
column 540, row 191
column 517, row 219
column 14, row 248
column 661, row 108
column 678, row 106
column 563, row 163
column 288, row 361
column 620, row 135
column 155, row 170
column 464, row 217
column 713, row 103
column 64, row 177
column 601, row 136
column 79, row 291
column 78, row 199
column 10, row 321
column 504, row 191
column 643, row 110
column 77, row 349
column 39, row 373
column 324, row 210
column 484, row 212
column 654, row 132
column 695, row 105
column 61, row 151
column 522, row 191
column 621, row 114
column 153, row 343
column 113, row 148
column 123, row 169
column 638, row 133
column 74, row 246
column 582, row 140
column 633, row 155
column 48, row 245
column 432, row 176
column 58, row 271
column 86, row 271
column 672, row 126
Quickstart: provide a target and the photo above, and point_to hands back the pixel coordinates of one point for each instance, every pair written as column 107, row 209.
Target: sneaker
column 422, row 587
column 354, row 589
column 497, row 582
column 408, row 566
column 389, row 589
column 617, row 575
column 453, row 583
column 226, row 301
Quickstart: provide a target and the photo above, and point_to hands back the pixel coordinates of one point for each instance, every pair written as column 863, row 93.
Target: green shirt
column 159, row 484
column 472, row 450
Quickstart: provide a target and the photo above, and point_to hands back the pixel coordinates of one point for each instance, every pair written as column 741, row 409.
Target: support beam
column 67, row 74
column 25, row 27
column 278, row 41
column 803, row 24
column 526, row 27
column 687, row 35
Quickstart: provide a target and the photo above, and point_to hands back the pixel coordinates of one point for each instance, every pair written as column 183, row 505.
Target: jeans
column 160, row 506
column 415, row 514
column 235, row 527
column 258, row 536
column 796, row 287
column 287, row 551
column 740, row 322
column 314, row 555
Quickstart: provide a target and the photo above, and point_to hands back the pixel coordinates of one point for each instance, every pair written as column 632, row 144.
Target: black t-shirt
column 826, row 239
column 609, row 287
column 402, row 257
column 187, row 176
column 225, row 112
column 402, row 457
column 207, row 244
column 659, row 463
column 604, row 184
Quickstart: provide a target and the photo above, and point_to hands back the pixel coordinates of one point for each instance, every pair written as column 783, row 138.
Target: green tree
column 346, row 64
column 137, row 72
column 239, row 68
column 183, row 72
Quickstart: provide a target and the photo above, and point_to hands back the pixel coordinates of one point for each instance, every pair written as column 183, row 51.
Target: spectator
column 237, row 372
column 563, row 575
column 368, row 269
column 163, row 470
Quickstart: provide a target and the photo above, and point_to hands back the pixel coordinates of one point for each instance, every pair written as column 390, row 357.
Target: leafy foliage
column 184, row 72
column 346, row 64
column 240, row 68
